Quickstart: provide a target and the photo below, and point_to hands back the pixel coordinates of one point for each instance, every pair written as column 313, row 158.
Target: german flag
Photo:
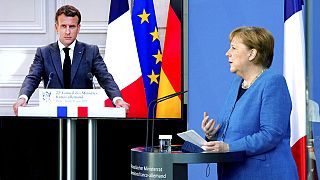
column 171, row 76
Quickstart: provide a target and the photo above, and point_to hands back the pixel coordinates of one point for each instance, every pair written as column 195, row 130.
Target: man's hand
column 123, row 104
column 19, row 102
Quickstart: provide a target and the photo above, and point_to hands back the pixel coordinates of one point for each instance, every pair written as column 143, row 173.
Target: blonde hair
column 259, row 39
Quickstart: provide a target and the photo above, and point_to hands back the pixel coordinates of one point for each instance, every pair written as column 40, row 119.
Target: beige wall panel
column 28, row 24
column 18, row 16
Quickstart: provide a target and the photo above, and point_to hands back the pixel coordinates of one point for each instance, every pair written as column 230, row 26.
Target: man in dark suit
column 68, row 63
column 65, row 64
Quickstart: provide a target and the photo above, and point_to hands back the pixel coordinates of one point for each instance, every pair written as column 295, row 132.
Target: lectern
column 174, row 166
column 71, row 104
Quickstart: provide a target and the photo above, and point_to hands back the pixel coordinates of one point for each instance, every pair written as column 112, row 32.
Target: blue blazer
column 86, row 58
column 259, row 124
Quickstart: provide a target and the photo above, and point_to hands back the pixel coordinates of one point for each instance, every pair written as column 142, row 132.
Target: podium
column 71, row 104
column 174, row 165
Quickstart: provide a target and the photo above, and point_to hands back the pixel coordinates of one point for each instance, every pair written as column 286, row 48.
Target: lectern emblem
column 46, row 96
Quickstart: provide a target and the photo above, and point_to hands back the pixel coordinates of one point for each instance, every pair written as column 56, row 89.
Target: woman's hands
column 209, row 129
column 216, row 146
column 208, row 126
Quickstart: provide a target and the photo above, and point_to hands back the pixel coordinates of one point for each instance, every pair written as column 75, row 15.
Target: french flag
column 121, row 58
column 294, row 71
column 64, row 112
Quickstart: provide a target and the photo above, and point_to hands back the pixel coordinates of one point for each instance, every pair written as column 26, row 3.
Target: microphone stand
column 49, row 81
column 147, row 134
column 92, row 142
column 90, row 76
column 156, row 101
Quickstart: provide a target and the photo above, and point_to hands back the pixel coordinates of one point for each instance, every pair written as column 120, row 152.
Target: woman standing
column 256, row 116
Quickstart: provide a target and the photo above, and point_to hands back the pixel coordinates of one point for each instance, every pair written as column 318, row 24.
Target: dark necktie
column 66, row 68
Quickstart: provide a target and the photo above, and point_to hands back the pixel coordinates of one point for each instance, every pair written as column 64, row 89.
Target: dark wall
column 30, row 147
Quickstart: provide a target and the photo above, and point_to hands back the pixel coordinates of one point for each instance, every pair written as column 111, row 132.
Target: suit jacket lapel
column 56, row 60
column 229, row 107
column 232, row 99
column 235, row 90
column 77, row 58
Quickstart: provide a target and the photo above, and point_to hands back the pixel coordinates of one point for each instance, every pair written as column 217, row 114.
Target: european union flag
column 148, row 47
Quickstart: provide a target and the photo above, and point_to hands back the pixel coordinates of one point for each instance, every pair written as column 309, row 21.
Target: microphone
column 90, row 76
column 156, row 101
column 49, row 81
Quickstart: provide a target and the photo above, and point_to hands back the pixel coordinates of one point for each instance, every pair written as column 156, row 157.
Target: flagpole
column 308, row 38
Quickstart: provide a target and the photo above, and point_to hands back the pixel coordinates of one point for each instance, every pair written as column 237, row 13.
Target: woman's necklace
column 244, row 84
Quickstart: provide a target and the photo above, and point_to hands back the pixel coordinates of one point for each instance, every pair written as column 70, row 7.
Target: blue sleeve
column 33, row 79
column 189, row 147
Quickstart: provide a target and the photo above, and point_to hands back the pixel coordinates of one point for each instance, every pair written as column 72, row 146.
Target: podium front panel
column 153, row 165
column 156, row 166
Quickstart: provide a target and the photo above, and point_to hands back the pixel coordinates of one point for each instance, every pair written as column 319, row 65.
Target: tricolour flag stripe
column 62, row 111
column 294, row 71
column 83, row 112
column 117, row 9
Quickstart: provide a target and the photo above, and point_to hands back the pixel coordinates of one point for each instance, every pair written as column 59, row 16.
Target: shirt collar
column 61, row 46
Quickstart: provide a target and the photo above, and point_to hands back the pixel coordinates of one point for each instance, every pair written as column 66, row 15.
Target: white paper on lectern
column 193, row 137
